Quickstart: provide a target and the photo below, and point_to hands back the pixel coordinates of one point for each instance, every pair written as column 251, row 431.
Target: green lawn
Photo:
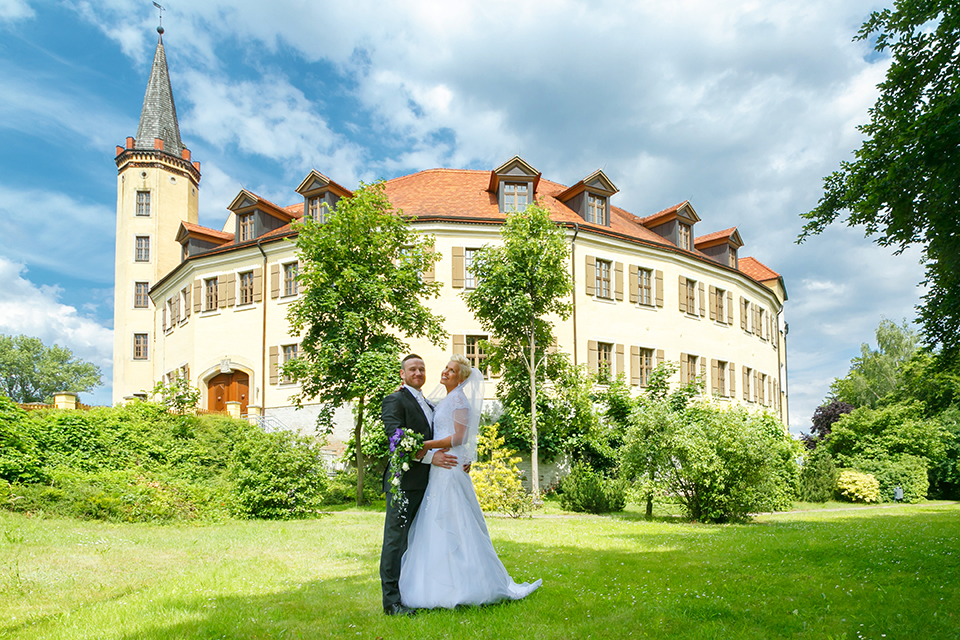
column 865, row 573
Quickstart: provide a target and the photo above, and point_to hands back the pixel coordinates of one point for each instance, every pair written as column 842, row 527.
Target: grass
column 867, row 573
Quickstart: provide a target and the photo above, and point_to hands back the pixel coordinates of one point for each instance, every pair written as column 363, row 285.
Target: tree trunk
column 650, row 493
column 535, row 445
column 357, row 431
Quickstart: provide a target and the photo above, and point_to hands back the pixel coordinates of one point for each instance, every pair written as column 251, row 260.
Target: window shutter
column 683, row 368
column 743, row 313
column 275, row 281
column 222, row 291
column 457, row 255
column 187, row 295
column 746, row 384
column 231, row 279
column 703, row 369
column 714, row 376
column 683, row 294
column 258, row 284
column 619, row 359
column 729, row 308
column 634, row 284
column 732, row 377
column 634, row 365
column 659, row 356
column 769, row 391
column 274, row 367
column 713, row 303
column 591, row 277
column 460, row 345
column 593, row 356
column 163, row 323
column 756, row 379
column 703, row 305
column 430, row 273
column 618, row 282
column 757, row 329
column 197, row 296
column 659, row 288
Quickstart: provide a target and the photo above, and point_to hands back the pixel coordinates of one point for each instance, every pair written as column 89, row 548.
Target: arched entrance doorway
column 228, row 387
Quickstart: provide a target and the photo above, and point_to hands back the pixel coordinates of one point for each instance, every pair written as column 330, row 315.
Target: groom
column 406, row 409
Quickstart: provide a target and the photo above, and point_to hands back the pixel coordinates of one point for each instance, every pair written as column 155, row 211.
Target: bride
column 450, row 560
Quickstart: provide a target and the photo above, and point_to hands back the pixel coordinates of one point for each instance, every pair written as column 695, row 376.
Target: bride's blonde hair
column 465, row 366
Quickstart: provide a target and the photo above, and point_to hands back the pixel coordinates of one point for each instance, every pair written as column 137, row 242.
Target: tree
column 902, row 185
column 362, row 290
column 32, row 372
column 824, row 417
column 519, row 284
column 874, row 374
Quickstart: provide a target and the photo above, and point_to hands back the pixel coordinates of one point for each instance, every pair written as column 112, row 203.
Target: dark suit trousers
column 395, row 531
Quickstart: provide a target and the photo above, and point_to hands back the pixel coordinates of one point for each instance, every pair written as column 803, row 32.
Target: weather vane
column 159, row 28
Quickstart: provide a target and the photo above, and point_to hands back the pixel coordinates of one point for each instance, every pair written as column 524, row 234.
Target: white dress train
column 450, row 559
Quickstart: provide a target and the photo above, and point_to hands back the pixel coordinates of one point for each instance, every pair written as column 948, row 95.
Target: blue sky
column 740, row 107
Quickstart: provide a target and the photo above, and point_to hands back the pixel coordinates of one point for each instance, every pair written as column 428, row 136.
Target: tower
column 157, row 189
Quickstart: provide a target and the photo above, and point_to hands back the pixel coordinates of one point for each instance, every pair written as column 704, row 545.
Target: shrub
column 19, row 457
column 586, row 491
column 497, row 479
column 907, row 472
column 342, row 488
column 277, row 475
column 855, row 486
column 818, row 479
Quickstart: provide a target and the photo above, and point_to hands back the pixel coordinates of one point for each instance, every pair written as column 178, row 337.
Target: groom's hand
column 442, row 459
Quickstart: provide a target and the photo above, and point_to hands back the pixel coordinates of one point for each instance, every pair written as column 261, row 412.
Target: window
column 596, row 209
column 604, row 361
column 747, row 376
column 184, row 304
column 289, row 353
column 761, row 386
column 474, row 353
column 646, row 366
column 691, row 295
column 246, row 226
column 761, row 320
column 733, row 257
column 290, row 279
column 246, row 287
column 744, row 314
column 719, row 305
column 210, row 294
column 604, row 290
column 184, row 372
column 645, row 282
column 691, row 368
column 685, row 236
column 140, row 348
column 143, row 203
column 515, row 196
column 315, row 209
column 143, row 249
column 141, row 295
column 721, row 382
column 469, row 280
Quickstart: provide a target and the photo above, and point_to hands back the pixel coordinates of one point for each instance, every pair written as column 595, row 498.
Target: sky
column 741, row 107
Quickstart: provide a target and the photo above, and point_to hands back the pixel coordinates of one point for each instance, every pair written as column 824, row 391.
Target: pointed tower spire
column 158, row 119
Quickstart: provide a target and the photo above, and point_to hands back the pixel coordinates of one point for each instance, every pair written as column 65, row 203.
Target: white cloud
column 36, row 311
column 11, row 10
column 57, row 232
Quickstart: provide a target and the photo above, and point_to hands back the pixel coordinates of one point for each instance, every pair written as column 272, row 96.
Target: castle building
column 211, row 304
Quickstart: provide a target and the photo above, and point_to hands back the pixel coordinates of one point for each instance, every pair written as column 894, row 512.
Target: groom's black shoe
column 399, row 610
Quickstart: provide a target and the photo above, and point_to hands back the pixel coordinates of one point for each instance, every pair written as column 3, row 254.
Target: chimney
column 129, row 142
column 158, row 144
column 186, row 154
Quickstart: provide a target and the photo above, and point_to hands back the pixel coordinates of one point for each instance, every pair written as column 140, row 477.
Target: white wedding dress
column 450, row 559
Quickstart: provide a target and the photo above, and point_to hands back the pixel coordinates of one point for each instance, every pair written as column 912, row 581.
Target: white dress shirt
column 428, row 413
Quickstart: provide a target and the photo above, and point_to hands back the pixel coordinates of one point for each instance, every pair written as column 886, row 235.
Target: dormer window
column 685, row 236
column 515, row 196
column 315, row 208
column 245, row 222
column 596, row 209
column 733, row 257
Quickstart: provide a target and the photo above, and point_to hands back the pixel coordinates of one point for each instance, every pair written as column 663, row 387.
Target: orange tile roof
column 207, row 231
column 756, row 269
column 716, row 235
column 663, row 213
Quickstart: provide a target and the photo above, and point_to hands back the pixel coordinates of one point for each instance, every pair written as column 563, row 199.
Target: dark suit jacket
column 401, row 410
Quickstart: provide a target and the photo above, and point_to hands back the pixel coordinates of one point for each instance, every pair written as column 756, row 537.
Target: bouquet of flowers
column 404, row 445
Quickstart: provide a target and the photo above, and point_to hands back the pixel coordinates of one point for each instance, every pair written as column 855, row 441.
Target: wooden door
column 228, row 387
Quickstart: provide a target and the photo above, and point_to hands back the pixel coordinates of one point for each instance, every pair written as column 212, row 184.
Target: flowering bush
column 858, row 487
column 497, row 480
